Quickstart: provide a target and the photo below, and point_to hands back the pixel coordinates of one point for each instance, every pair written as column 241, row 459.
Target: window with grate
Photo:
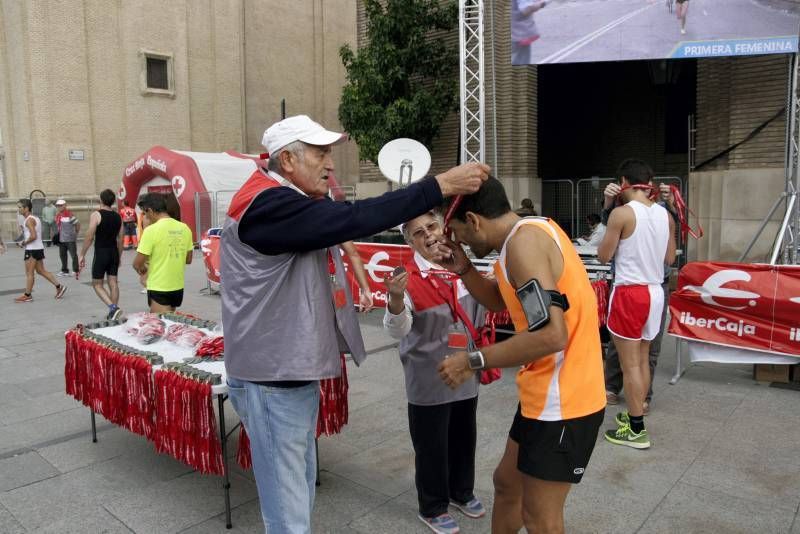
column 157, row 73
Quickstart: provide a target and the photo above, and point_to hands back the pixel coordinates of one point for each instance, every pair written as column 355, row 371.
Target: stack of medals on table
column 164, row 395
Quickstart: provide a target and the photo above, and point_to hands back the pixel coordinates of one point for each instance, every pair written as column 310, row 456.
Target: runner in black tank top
column 104, row 229
column 108, row 230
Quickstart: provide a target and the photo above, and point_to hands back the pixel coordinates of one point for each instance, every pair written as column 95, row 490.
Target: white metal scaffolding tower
column 471, row 66
column 791, row 221
column 786, row 247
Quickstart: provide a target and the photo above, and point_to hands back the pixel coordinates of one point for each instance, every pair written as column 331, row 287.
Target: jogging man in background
column 104, row 230
column 34, row 252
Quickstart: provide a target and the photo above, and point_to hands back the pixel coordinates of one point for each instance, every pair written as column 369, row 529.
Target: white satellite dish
column 404, row 161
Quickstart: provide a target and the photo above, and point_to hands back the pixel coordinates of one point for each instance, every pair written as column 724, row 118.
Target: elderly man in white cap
column 285, row 308
column 68, row 230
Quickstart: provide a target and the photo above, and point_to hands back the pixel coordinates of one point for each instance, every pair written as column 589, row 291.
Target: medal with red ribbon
column 680, row 206
column 476, row 338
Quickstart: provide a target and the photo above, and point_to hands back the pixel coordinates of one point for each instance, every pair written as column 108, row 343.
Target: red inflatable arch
column 185, row 174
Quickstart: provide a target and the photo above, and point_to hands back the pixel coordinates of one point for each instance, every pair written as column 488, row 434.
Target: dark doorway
column 594, row 115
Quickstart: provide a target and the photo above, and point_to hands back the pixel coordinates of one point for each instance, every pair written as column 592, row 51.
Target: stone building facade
column 73, row 77
column 76, row 104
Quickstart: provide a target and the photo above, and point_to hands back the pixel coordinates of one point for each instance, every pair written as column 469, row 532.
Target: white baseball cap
column 60, row 202
column 298, row 128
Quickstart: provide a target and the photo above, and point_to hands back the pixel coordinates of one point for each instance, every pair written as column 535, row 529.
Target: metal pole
column 679, row 370
column 495, row 163
column 763, row 225
column 793, row 253
column 790, row 120
column 223, row 437
column 791, row 155
column 784, row 225
column 197, row 231
column 471, row 77
column 94, row 427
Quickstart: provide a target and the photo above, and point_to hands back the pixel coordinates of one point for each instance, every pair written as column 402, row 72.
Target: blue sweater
column 281, row 220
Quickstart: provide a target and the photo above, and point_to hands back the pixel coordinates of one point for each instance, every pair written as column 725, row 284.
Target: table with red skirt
column 160, row 376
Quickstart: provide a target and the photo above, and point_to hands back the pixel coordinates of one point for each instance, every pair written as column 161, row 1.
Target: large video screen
column 572, row 31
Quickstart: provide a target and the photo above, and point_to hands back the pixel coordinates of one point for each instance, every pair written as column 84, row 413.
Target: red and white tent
column 185, row 174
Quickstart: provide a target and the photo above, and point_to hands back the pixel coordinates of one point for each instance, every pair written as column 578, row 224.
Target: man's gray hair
column 433, row 213
column 295, row 147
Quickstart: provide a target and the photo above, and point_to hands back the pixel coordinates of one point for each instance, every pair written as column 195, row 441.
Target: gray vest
column 278, row 313
column 425, row 346
column 67, row 233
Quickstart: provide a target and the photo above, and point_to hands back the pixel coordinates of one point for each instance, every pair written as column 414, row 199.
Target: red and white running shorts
column 634, row 312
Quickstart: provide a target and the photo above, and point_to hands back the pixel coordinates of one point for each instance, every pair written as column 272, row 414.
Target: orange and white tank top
column 570, row 383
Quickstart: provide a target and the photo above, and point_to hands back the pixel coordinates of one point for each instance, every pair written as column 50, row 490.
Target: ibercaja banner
column 741, row 305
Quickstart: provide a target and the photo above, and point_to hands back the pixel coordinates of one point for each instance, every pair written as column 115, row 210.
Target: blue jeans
column 282, row 425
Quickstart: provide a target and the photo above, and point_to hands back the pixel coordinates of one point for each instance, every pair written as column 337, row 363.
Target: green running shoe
column 625, row 436
column 623, row 418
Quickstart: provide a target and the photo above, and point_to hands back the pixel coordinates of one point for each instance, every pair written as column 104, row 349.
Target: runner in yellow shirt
column 165, row 249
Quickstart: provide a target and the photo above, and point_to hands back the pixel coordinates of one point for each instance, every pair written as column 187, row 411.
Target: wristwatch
column 476, row 360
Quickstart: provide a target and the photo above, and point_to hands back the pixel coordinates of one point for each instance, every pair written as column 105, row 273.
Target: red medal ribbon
column 680, row 206
column 483, row 337
column 450, row 211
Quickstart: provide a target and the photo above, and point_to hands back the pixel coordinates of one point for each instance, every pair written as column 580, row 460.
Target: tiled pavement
column 725, row 458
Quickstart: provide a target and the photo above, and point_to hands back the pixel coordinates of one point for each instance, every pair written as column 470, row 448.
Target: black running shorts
column 37, row 254
column 557, row 451
column 166, row 298
column 105, row 262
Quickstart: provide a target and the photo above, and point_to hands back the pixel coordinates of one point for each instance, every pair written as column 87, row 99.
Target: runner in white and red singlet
column 640, row 239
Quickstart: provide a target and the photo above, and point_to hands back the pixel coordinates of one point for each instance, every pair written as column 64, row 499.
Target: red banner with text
column 379, row 259
column 209, row 246
column 741, row 305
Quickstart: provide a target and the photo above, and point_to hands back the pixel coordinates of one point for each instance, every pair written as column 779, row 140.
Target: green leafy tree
column 402, row 83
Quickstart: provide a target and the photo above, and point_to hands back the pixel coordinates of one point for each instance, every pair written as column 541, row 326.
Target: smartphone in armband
column 534, row 304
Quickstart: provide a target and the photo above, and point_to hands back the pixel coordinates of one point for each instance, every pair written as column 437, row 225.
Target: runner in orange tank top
column 540, row 279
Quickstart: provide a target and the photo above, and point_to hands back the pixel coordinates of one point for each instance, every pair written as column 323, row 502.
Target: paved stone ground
column 724, row 458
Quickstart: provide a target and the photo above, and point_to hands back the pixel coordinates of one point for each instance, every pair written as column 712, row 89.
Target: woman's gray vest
column 278, row 313
column 425, row 346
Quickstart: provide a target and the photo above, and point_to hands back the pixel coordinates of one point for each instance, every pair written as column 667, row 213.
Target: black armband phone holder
column 536, row 303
